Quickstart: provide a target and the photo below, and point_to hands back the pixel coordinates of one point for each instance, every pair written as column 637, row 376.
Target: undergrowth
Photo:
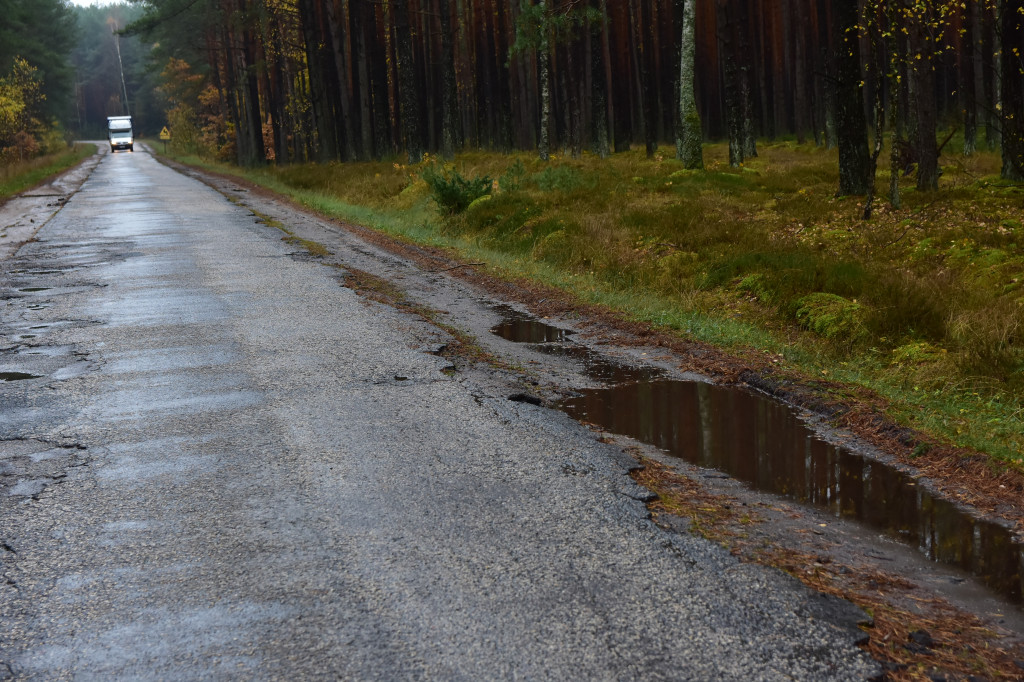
column 18, row 177
column 924, row 305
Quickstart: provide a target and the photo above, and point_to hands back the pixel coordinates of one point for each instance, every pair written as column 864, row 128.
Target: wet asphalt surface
column 230, row 466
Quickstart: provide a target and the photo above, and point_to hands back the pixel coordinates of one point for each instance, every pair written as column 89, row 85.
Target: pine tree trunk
column 1011, row 20
column 731, row 86
column 922, row 100
column 336, row 28
column 689, row 143
column 408, row 99
column 968, row 84
column 993, row 81
column 544, row 68
column 801, row 108
column 851, row 126
column 599, row 91
column 361, row 18
column 449, row 87
column 744, row 63
column 326, row 139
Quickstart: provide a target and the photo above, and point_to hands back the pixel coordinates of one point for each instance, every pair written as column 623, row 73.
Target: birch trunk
column 689, row 148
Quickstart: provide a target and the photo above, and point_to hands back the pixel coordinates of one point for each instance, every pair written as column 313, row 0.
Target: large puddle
column 765, row 443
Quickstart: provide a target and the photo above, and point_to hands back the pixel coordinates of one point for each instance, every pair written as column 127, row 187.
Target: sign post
column 165, row 136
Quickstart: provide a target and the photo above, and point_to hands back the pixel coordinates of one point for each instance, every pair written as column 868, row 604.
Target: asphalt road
column 218, row 462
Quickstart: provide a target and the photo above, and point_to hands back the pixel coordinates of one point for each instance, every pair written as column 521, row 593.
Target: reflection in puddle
column 598, row 368
column 522, row 328
column 34, row 289
column 17, row 376
column 763, row 443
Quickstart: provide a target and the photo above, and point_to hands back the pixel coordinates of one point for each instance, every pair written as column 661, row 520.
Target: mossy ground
column 924, row 305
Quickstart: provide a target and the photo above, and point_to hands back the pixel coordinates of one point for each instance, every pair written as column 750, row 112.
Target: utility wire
column 120, row 64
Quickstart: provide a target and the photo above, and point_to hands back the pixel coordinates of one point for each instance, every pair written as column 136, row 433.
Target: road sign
column 165, row 134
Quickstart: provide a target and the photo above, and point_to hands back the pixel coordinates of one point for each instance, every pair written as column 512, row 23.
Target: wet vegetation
column 923, row 304
column 19, row 176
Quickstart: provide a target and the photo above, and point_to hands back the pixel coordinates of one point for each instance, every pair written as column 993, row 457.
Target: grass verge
column 21, row 176
column 922, row 306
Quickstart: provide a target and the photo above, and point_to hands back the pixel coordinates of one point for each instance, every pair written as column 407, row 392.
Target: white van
column 119, row 132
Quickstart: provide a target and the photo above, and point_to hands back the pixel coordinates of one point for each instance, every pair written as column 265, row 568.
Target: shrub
column 512, row 180
column 832, row 317
column 560, row 178
column 451, row 192
column 756, row 285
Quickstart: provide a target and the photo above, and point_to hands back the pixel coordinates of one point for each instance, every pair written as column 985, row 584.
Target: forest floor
column 916, row 347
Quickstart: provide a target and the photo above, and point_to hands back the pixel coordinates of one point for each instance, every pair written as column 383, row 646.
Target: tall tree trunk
column 731, row 86
column 336, row 29
column 689, row 148
column 544, row 75
column 599, row 87
column 922, row 99
column 801, row 107
column 449, row 87
column 323, row 118
column 361, row 18
column 851, row 126
column 968, row 83
column 993, row 68
column 257, row 154
column 1011, row 21
column 408, row 99
column 744, row 59
column 638, row 80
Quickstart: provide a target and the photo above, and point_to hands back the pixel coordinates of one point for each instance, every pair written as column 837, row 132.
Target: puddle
column 17, row 376
column 597, row 367
column 522, row 328
column 34, row 289
column 545, row 338
column 763, row 443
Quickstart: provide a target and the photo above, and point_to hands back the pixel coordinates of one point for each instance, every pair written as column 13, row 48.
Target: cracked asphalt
column 216, row 461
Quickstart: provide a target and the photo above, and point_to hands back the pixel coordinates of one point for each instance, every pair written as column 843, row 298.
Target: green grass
column 18, row 177
column 924, row 306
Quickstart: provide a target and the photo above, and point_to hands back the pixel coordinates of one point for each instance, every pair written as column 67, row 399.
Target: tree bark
column 689, row 143
column 1011, row 22
column 544, row 75
column 922, row 99
column 336, row 29
column 968, row 83
column 449, row 86
column 408, row 99
column 731, row 87
column 323, row 118
column 851, row 125
column 599, row 88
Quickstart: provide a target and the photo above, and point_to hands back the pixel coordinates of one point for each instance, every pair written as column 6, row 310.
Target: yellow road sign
column 165, row 134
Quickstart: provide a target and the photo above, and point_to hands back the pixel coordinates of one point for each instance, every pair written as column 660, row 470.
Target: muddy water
column 521, row 328
column 765, row 444
column 17, row 376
